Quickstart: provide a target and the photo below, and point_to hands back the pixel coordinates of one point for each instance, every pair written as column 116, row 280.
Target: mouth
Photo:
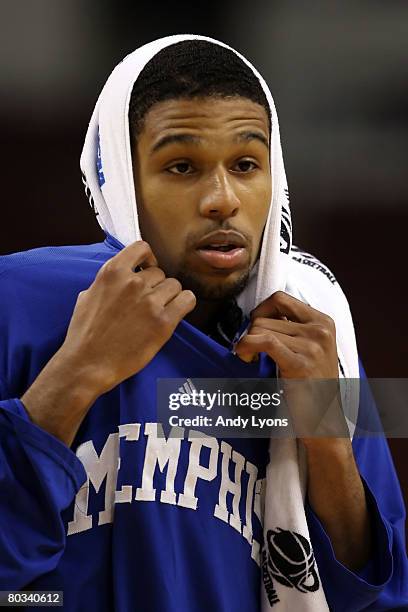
column 223, row 250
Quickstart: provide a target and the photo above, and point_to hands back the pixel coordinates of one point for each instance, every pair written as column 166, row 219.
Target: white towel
column 106, row 164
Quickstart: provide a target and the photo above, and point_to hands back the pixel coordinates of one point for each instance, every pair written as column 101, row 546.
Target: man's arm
column 302, row 341
column 383, row 582
column 336, row 494
column 117, row 327
column 354, row 509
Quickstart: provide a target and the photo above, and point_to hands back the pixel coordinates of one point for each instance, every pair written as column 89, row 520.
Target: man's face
column 203, row 188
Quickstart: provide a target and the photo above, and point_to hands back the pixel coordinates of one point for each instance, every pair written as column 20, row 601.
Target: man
column 183, row 144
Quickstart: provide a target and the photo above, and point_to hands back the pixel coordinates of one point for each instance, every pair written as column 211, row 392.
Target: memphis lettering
column 163, row 454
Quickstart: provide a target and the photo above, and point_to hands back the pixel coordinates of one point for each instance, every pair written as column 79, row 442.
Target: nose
column 219, row 200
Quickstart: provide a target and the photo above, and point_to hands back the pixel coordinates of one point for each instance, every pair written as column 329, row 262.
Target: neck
column 205, row 315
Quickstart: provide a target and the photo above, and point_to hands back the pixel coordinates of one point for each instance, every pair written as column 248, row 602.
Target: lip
column 222, row 237
column 224, row 260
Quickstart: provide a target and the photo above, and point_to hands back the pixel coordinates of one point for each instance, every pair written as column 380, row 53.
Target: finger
column 181, row 305
column 281, row 304
column 136, row 254
column 277, row 325
column 152, row 276
column 297, row 344
column 167, row 290
column 321, row 331
column 251, row 345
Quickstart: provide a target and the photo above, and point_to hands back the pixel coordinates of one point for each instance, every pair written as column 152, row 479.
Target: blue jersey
column 130, row 519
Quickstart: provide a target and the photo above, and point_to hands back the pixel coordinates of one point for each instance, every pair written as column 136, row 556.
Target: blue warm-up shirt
column 130, row 521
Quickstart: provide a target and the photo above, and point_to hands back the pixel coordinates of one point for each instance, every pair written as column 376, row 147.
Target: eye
column 245, row 166
column 180, row 168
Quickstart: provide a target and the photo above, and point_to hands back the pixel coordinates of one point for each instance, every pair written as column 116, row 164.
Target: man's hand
column 125, row 317
column 300, row 339
column 117, row 327
column 302, row 342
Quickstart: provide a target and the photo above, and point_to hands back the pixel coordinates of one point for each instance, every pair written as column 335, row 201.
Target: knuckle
column 315, row 350
column 144, row 249
column 304, row 366
column 323, row 332
column 325, row 320
column 81, row 299
column 108, row 272
column 174, row 284
column 143, row 246
column 165, row 323
column 152, row 306
column 280, row 297
column 134, row 281
column 128, row 286
column 152, row 275
column 160, row 274
column 271, row 342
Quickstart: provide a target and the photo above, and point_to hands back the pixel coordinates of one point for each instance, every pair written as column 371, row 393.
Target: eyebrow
column 175, row 138
column 196, row 140
column 250, row 135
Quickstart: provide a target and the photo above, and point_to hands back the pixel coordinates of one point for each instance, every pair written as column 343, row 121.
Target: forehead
column 209, row 113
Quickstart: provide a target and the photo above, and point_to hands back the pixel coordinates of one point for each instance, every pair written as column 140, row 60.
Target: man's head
column 200, row 128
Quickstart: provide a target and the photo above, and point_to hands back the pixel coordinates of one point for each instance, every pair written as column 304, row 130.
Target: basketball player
column 94, row 500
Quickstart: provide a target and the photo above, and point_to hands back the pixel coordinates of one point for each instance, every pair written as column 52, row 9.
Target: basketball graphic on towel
column 291, row 560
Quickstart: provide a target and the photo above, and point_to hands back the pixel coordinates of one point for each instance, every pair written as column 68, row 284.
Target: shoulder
column 46, row 279
column 48, row 269
column 39, row 289
column 53, row 257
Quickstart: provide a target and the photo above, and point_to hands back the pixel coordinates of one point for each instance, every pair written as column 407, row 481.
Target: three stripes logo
column 190, row 389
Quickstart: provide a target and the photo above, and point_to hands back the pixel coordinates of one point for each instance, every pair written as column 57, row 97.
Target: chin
column 214, row 288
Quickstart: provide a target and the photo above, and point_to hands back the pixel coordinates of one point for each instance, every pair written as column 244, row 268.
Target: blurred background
column 337, row 73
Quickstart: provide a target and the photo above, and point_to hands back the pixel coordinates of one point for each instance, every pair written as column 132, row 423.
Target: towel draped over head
column 106, row 164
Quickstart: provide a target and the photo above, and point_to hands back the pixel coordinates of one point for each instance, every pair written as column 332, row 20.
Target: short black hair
column 192, row 69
